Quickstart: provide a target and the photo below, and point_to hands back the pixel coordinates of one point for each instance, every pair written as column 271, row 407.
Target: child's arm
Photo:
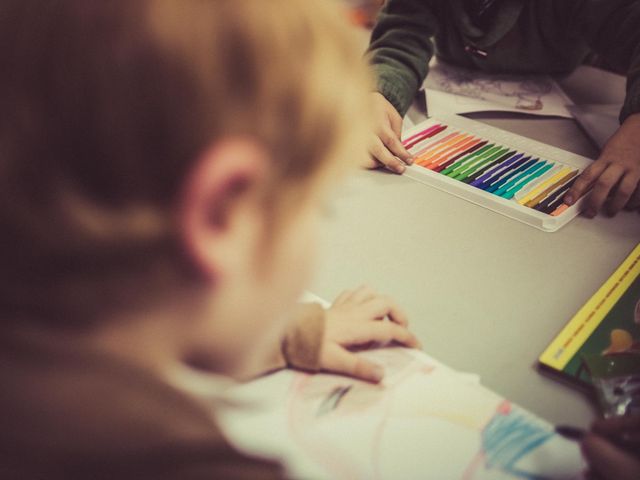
column 319, row 339
column 399, row 52
column 612, row 29
column 606, row 457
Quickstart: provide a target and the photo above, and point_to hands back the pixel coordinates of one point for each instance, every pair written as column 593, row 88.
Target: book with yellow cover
column 608, row 324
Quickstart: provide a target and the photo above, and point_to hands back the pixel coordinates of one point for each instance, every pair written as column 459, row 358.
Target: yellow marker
column 543, row 195
column 550, row 181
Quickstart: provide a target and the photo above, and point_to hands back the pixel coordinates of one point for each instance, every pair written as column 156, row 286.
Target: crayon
column 559, row 176
column 465, row 162
column 449, row 162
column 517, row 185
column 506, row 173
column 470, row 169
column 483, row 151
column 483, row 163
column 444, row 149
column 498, row 170
column 558, row 211
column 426, row 133
column 435, row 142
column 567, row 175
column 442, row 158
column 570, row 433
column 489, row 166
column 533, row 169
column 555, row 197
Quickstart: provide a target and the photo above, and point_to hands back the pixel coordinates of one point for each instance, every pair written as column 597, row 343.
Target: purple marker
column 499, row 168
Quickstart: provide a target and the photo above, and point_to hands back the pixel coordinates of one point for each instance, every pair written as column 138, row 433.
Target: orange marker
column 441, row 148
column 437, row 155
column 444, row 158
column 558, row 211
column 436, row 142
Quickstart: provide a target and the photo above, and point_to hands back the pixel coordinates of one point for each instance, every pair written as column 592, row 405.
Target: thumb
column 608, row 460
column 338, row 360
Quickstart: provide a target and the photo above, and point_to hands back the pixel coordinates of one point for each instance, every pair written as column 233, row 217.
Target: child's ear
column 225, row 180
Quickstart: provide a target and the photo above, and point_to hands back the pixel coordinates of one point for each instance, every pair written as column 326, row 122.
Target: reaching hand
column 386, row 148
column 609, row 461
column 359, row 318
column 615, row 176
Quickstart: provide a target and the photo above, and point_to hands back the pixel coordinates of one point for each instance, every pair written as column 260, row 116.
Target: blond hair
column 106, row 107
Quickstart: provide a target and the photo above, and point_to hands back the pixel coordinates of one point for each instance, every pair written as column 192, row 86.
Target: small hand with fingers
column 359, row 318
column 386, row 149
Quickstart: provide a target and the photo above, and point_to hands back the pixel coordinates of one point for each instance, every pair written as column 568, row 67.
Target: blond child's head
column 170, row 156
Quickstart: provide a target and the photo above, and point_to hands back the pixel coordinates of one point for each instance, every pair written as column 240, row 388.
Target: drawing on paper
column 522, row 93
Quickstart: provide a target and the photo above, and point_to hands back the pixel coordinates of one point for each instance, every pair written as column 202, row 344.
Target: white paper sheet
column 452, row 89
column 425, row 421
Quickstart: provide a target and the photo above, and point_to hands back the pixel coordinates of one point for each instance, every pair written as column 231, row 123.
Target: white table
column 485, row 294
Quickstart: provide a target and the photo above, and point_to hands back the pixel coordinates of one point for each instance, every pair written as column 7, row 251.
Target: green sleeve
column 612, row 29
column 401, row 48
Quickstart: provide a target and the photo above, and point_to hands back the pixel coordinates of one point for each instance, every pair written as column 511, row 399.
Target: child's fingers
column 343, row 298
column 623, row 193
column 617, row 425
column 380, row 332
column 362, row 294
column 380, row 152
column 391, row 140
column 383, row 306
column 584, row 181
column 601, row 190
column 339, row 360
column 609, row 461
column 634, row 201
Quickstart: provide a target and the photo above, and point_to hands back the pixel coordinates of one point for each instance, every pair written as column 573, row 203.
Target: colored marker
column 536, row 195
column 435, row 142
column 424, row 134
column 571, row 433
column 506, row 172
column 498, row 170
column 550, row 203
column 463, row 147
column 478, row 173
column 483, row 151
column 513, row 173
column 510, row 191
column 465, row 162
column 561, row 209
column 464, row 176
column 543, row 178
column 444, row 149
column 470, row 168
column 449, row 162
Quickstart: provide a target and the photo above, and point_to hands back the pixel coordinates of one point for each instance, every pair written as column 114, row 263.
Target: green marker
column 510, row 193
column 458, row 168
column 463, row 174
column 451, row 167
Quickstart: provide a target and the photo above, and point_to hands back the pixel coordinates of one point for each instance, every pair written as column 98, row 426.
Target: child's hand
column 608, row 461
column 386, row 148
column 615, row 176
column 358, row 318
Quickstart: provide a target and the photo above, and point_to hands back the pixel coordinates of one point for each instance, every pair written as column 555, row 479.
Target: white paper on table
column 425, row 421
column 452, row 89
column 599, row 122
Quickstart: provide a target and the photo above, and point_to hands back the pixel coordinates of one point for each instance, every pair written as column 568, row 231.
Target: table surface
column 484, row 293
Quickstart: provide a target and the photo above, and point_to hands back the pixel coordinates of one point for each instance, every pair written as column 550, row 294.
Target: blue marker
column 505, row 175
column 518, row 178
column 497, row 168
column 510, row 193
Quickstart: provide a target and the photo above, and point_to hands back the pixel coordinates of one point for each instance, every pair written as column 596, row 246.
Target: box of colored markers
column 506, row 173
